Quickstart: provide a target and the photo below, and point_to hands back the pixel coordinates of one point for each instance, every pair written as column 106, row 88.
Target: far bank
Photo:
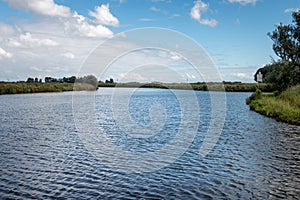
column 24, row 87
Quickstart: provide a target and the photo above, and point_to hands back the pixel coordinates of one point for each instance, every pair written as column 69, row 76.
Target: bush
column 256, row 95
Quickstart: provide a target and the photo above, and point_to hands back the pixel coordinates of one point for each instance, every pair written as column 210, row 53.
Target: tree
column 111, row 80
column 286, row 40
column 89, row 79
column 30, row 80
column 286, row 71
column 71, row 79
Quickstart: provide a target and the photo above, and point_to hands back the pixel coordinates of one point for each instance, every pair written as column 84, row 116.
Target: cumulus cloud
column 243, row 2
column 196, row 11
column 74, row 23
column 28, row 40
column 103, row 16
column 41, row 7
column 4, row 54
column 79, row 25
column 47, row 45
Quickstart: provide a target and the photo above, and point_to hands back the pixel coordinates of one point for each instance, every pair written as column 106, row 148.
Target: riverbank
column 283, row 107
column 202, row 86
column 23, row 87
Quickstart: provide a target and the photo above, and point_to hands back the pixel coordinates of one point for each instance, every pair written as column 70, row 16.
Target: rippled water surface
column 43, row 156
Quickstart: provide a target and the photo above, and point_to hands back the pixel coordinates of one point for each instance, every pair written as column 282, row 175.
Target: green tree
column 286, row 40
column 286, row 71
column 30, row 80
column 89, row 79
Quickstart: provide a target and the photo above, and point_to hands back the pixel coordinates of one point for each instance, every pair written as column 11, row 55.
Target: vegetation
column 286, row 71
column 90, row 79
column 90, row 83
column 52, row 85
column 212, row 86
column 22, row 87
column 283, row 107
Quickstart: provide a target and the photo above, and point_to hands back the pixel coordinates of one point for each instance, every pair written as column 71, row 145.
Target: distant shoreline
column 200, row 86
column 24, row 87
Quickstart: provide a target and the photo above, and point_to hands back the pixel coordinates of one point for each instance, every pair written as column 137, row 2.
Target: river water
column 43, row 154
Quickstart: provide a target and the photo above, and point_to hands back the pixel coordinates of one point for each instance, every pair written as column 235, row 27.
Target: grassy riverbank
column 202, row 86
column 22, row 87
column 283, row 107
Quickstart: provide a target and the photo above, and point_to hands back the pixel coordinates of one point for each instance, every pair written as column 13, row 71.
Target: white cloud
column 288, row 10
column 41, row 7
column 6, row 30
column 209, row 22
column 154, row 9
column 175, row 15
column 13, row 43
column 166, row 1
column 68, row 55
column 146, row 19
column 243, row 2
column 190, row 76
column 175, row 56
column 26, row 40
column 73, row 22
column 79, row 25
column 196, row 12
column 47, row 46
column 243, row 74
column 103, row 16
column 197, row 8
column 29, row 41
column 122, row 1
column 4, row 54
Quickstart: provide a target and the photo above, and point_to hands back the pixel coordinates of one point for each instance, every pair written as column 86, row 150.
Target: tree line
column 285, row 72
column 89, row 79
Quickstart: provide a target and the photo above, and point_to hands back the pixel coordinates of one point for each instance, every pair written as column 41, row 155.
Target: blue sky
column 54, row 38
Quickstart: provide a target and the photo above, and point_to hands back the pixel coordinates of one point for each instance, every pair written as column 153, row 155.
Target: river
column 45, row 155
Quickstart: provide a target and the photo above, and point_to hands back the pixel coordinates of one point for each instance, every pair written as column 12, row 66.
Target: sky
column 57, row 38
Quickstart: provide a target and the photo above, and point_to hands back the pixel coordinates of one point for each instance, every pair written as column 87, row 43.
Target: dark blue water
column 42, row 153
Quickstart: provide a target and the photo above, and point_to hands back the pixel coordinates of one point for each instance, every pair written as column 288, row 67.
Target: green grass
column 211, row 86
column 22, row 87
column 283, row 107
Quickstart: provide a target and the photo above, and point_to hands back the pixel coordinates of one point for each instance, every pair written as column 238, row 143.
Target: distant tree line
column 34, row 80
column 89, row 79
column 284, row 72
column 71, row 79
